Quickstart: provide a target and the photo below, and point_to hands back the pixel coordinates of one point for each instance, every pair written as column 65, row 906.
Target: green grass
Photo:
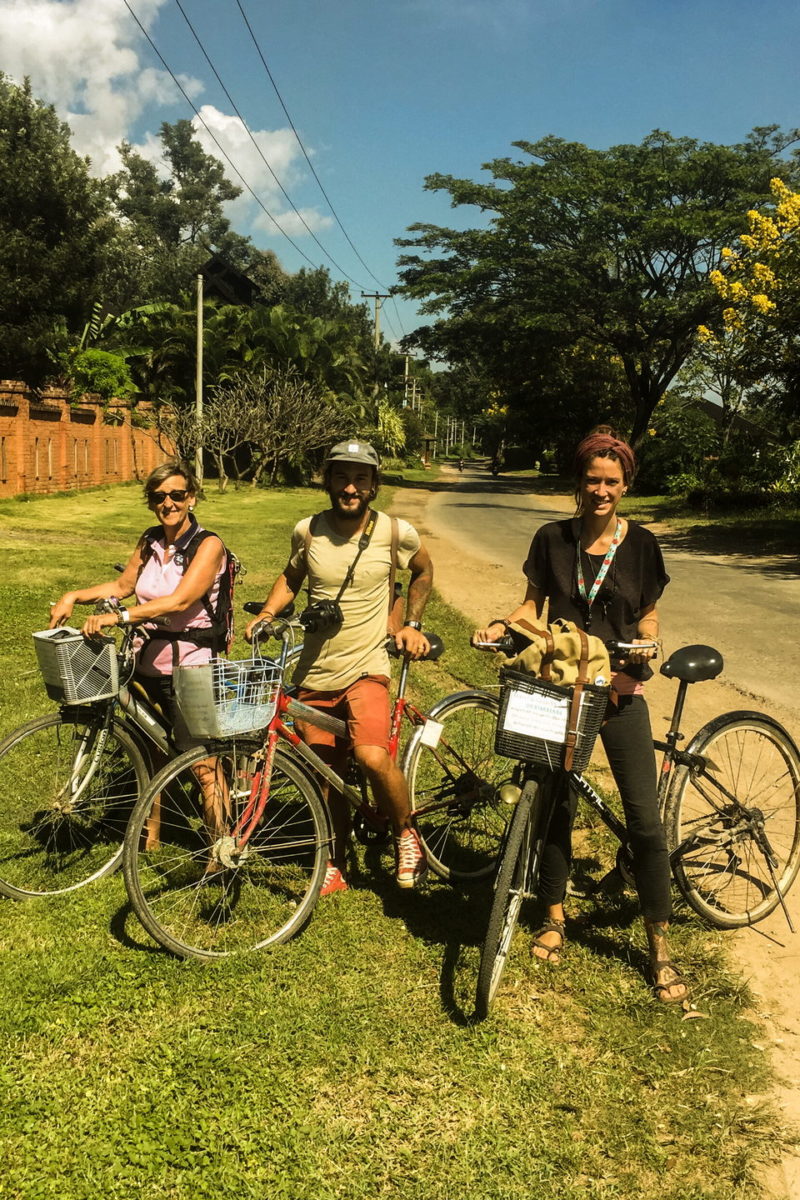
column 345, row 1065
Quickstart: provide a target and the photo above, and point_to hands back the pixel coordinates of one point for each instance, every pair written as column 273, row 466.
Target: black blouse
column 635, row 579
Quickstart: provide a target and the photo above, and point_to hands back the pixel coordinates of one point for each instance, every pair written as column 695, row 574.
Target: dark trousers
column 628, row 743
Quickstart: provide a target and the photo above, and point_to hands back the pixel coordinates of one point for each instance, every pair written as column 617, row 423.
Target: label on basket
column 431, row 733
column 537, row 715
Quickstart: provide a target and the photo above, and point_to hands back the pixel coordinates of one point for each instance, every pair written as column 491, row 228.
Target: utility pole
column 379, row 298
column 198, row 388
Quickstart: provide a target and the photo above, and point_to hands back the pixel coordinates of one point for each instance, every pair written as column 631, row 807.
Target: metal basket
column 221, row 698
column 532, row 722
column 75, row 669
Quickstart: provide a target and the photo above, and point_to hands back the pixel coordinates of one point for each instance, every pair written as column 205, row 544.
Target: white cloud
column 280, row 150
column 87, row 58
column 83, row 56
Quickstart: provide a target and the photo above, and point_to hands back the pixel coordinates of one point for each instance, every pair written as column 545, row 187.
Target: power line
column 267, row 164
column 308, row 160
column 225, row 154
column 221, row 149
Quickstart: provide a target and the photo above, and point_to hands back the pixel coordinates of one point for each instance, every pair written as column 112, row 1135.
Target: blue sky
column 385, row 93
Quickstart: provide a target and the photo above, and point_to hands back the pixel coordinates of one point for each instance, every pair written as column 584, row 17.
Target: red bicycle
column 243, row 834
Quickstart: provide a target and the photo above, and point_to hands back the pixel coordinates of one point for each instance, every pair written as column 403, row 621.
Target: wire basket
column 75, row 669
column 222, row 697
column 533, row 717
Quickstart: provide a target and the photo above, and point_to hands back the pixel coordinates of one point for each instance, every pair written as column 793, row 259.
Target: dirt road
column 478, row 533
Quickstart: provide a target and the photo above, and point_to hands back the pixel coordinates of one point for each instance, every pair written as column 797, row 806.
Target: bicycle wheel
column 455, row 788
column 65, row 799
column 194, row 888
column 516, row 881
column 734, row 828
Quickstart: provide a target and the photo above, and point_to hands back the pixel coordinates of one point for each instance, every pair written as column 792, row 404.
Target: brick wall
column 49, row 445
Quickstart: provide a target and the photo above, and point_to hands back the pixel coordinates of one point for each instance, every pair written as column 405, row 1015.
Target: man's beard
column 348, row 514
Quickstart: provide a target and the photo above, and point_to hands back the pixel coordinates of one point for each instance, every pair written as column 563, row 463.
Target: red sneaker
column 412, row 866
column 334, row 881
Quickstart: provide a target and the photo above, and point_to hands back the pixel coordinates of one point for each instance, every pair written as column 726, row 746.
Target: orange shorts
column 364, row 705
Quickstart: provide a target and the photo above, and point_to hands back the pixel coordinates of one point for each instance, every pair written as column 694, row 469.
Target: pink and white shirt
column 160, row 577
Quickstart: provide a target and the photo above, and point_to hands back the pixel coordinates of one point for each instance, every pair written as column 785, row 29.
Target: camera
column 323, row 616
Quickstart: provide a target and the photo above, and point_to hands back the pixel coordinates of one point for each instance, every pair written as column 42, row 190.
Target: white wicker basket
column 222, row 698
column 75, row 669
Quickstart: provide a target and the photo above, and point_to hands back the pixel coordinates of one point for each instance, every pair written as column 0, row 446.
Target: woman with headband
column 606, row 574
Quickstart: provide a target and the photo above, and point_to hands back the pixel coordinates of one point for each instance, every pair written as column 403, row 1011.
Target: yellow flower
column 762, row 303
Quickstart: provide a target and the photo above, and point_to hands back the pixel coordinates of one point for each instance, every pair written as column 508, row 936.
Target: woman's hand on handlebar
column 492, row 633
column 638, row 650
column 94, row 625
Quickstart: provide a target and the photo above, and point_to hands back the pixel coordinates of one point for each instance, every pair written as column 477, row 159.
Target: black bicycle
column 730, row 802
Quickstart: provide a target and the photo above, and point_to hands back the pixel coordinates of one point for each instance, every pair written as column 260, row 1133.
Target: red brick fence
column 48, row 444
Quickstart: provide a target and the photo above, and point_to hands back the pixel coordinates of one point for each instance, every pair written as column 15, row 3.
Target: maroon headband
column 600, row 445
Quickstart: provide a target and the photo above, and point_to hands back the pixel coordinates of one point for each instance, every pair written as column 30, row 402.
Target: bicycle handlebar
column 506, row 645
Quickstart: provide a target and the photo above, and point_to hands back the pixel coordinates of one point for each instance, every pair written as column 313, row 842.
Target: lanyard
column 601, row 574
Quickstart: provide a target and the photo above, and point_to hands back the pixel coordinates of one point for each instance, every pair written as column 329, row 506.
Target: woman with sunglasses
column 606, row 574
column 183, row 596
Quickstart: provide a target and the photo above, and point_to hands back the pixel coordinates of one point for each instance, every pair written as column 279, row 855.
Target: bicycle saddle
column 693, row 664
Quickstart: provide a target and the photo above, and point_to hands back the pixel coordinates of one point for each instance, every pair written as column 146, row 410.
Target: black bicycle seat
column 693, row 664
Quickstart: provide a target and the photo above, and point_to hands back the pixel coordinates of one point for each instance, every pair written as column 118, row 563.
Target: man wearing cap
column 344, row 669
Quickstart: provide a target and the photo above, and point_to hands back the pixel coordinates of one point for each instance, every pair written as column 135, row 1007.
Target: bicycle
column 730, row 803
column 69, row 780
column 203, row 893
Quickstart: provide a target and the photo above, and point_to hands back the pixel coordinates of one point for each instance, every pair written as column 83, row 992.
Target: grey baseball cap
column 353, row 451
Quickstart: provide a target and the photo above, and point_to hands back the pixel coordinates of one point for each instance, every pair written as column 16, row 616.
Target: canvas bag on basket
column 563, row 654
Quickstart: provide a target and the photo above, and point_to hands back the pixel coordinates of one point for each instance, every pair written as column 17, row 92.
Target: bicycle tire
column 265, row 893
column 516, row 880
column 713, row 828
column 455, row 788
column 62, row 821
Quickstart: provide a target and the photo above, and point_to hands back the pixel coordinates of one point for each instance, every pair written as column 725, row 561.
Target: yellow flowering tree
column 759, row 287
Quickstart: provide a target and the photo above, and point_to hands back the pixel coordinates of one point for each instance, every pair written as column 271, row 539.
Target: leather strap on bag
column 575, row 704
column 550, row 646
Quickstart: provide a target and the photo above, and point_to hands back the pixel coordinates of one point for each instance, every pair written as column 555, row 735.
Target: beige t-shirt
column 336, row 659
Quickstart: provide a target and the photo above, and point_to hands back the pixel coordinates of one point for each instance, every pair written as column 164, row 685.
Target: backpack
column 220, row 636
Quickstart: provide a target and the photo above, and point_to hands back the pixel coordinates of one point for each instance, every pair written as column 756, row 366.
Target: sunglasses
column 160, row 497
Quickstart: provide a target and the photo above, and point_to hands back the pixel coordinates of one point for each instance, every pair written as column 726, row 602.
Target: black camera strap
column 363, row 542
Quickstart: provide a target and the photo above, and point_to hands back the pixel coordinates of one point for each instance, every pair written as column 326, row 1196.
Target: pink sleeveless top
column 160, row 577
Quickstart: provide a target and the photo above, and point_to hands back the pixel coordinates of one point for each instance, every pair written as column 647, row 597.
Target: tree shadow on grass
column 770, row 545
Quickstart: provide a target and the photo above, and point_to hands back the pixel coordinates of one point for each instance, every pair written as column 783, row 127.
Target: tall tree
column 54, row 228
column 172, row 223
column 606, row 248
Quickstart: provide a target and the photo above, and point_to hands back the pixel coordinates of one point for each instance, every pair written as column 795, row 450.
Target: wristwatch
column 124, row 617
column 414, row 625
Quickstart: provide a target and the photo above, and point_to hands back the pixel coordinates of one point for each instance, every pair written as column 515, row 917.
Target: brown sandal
column 659, row 989
column 552, row 954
